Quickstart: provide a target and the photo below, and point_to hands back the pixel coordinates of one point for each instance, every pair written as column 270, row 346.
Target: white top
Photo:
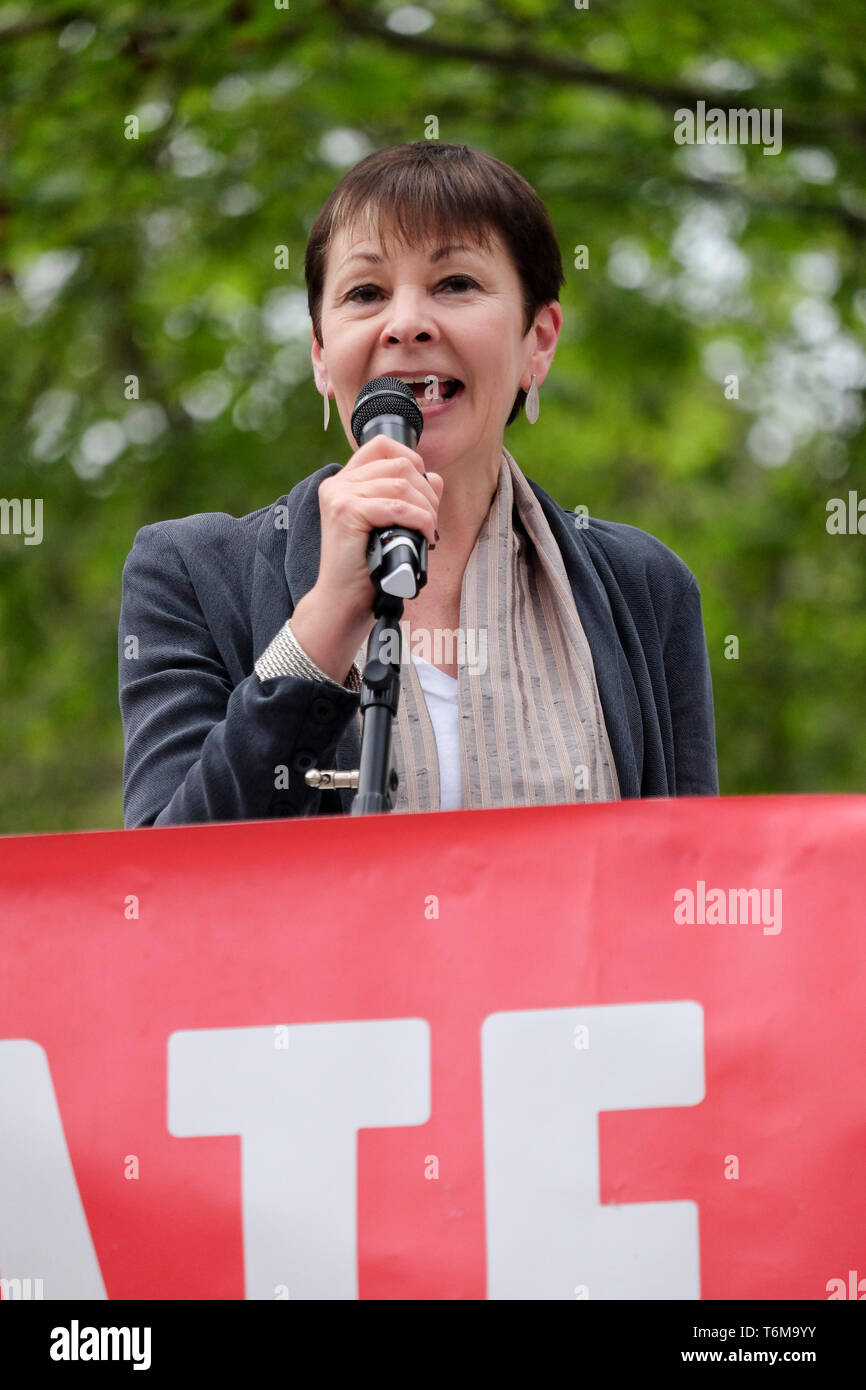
column 440, row 694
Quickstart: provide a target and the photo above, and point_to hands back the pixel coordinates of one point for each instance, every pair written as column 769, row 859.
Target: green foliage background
column 156, row 257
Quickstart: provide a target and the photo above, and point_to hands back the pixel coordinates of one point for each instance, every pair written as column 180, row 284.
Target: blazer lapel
column 595, row 614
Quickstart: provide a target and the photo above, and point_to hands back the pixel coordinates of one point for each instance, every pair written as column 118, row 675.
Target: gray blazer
column 202, row 597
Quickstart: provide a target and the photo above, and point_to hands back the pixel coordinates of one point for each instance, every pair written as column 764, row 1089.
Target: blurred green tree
column 707, row 386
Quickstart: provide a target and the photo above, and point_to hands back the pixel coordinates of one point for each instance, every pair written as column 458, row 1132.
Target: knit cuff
column 286, row 657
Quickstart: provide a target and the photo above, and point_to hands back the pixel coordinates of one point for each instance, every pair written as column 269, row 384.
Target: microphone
column 396, row 555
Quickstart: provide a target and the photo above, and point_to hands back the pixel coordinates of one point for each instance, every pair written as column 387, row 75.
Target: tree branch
column 522, row 59
column 854, row 222
column 46, row 25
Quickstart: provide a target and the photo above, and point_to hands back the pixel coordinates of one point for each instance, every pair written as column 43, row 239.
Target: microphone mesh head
column 386, row 395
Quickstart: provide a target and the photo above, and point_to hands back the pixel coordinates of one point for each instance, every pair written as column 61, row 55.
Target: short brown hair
column 426, row 189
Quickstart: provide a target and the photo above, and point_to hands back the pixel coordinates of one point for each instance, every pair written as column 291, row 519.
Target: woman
column 589, row 680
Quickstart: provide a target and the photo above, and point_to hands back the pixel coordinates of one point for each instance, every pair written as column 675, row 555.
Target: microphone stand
column 380, row 693
column 375, row 778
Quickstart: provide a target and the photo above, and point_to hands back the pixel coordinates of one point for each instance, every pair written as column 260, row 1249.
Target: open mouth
column 435, row 392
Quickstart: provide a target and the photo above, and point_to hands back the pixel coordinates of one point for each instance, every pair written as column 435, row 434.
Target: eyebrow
column 435, row 256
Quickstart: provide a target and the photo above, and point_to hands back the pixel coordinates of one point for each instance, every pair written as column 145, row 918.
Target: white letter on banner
column 547, row 1232
column 298, row 1110
column 43, row 1230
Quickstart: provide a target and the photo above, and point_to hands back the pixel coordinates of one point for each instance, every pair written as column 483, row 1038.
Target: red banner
column 577, row 1052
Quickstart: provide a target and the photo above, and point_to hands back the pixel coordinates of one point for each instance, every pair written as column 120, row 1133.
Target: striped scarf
column 531, row 726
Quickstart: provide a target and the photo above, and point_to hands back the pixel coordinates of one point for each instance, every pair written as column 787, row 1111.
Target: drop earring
column 531, row 405
column 327, row 406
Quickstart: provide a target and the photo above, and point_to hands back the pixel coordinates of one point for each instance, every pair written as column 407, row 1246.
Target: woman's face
column 432, row 311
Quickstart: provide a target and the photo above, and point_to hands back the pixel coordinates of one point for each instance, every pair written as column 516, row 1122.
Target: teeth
column 422, row 380
column 436, row 385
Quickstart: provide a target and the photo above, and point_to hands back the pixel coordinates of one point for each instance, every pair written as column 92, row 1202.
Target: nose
column 410, row 318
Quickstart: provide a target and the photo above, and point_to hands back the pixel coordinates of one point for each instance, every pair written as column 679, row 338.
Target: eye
column 456, row 280
column 461, row 279
column 362, row 289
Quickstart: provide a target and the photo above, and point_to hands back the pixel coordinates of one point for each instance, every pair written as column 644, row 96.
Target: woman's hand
column 383, row 484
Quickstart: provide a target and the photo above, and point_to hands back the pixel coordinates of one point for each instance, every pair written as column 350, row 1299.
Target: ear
column 544, row 336
column 317, row 353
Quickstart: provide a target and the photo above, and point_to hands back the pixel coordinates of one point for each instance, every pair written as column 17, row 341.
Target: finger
column 396, row 488
column 383, row 446
column 395, row 511
column 400, row 488
column 437, row 482
column 393, row 469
